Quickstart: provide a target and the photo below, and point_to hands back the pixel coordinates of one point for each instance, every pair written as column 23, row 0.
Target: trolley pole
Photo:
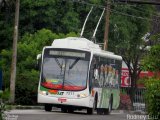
column 106, row 25
column 14, row 54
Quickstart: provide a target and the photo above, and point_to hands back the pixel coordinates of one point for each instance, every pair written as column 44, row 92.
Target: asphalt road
column 33, row 114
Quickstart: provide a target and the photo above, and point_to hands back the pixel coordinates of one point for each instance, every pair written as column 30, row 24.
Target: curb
column 27, row 107
column 137, row 112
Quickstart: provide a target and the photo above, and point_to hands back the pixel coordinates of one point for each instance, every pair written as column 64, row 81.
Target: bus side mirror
column 39, row 60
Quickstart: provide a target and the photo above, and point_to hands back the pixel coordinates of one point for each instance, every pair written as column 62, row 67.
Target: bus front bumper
column 83, row 102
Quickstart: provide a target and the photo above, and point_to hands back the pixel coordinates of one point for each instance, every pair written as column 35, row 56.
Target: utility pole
column 14, row 54
column 106, row 25
column 108, row 14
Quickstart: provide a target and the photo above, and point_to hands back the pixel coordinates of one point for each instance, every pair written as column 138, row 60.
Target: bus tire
column 64, row 110
column 90, row 111
column 109, row 109
column 70, row 110
column 48, row 107
column 99, row 111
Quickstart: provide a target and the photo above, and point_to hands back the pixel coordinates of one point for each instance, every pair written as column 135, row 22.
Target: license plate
column 62, row 100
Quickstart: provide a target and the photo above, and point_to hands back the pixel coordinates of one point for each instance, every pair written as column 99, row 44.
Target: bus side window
column 91, row 73
column 95, row 78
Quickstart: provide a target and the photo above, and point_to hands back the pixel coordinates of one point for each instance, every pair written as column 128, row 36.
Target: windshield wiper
column 71, row 66
column 60, row 65
column 57, row 61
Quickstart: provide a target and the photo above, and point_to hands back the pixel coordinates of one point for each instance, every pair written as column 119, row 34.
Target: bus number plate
column 70, row 93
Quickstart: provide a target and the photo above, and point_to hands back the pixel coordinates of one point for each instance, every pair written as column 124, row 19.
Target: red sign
column 125, row 81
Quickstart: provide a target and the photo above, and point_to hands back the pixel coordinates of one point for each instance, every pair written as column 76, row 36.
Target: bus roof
column 107, row 55
column 75, row 43
column 84, row 44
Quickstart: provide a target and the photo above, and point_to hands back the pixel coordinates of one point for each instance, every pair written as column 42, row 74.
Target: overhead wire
column 125, row 14
column 137, row 8
column 111, row 10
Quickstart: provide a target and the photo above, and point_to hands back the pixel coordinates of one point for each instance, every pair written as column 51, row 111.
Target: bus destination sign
column 67, row 53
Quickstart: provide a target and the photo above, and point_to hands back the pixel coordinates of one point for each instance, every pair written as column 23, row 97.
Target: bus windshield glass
column 65, row 70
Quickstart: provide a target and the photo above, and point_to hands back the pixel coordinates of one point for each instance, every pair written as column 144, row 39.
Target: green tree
column 57, row 15
column 151, row 61
column 125, row 37
column 27, row 76
column 62, row 16
column 152, row 96
column 6, row 23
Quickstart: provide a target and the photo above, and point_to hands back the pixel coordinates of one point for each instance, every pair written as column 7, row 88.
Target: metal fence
column 138, row 102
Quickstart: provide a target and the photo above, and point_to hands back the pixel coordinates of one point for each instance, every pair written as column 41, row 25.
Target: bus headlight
column 43, row 92
column 81, row 95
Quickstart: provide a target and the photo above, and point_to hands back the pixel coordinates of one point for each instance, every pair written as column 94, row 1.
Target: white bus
column 76, row 74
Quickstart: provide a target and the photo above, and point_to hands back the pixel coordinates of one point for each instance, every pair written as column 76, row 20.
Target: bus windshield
column 64, row 71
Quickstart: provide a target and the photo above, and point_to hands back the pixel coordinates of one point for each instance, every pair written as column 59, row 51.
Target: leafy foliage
column 27, row 76
column 6, row 23
column 48, row 14
column 153, row 97
column 4, row 97
column 151, row 61
column 2, row 109
column 57, row 15
column 64, row 16
column 125, row 38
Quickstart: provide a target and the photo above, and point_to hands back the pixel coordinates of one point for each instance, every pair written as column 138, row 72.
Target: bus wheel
column 90, row 111
column 70, row 110
column 48, row 107
column 109, row 109
column 64, row 110
column 99, row 111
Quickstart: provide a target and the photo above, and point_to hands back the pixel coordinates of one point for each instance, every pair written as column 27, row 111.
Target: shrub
column 125, row 101
column 4, row 97
column 152, row 96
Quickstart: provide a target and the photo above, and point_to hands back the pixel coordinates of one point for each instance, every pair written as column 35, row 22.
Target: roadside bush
column 152, row 96
column 4, row 97
column 125, row 101
column 26, row 87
